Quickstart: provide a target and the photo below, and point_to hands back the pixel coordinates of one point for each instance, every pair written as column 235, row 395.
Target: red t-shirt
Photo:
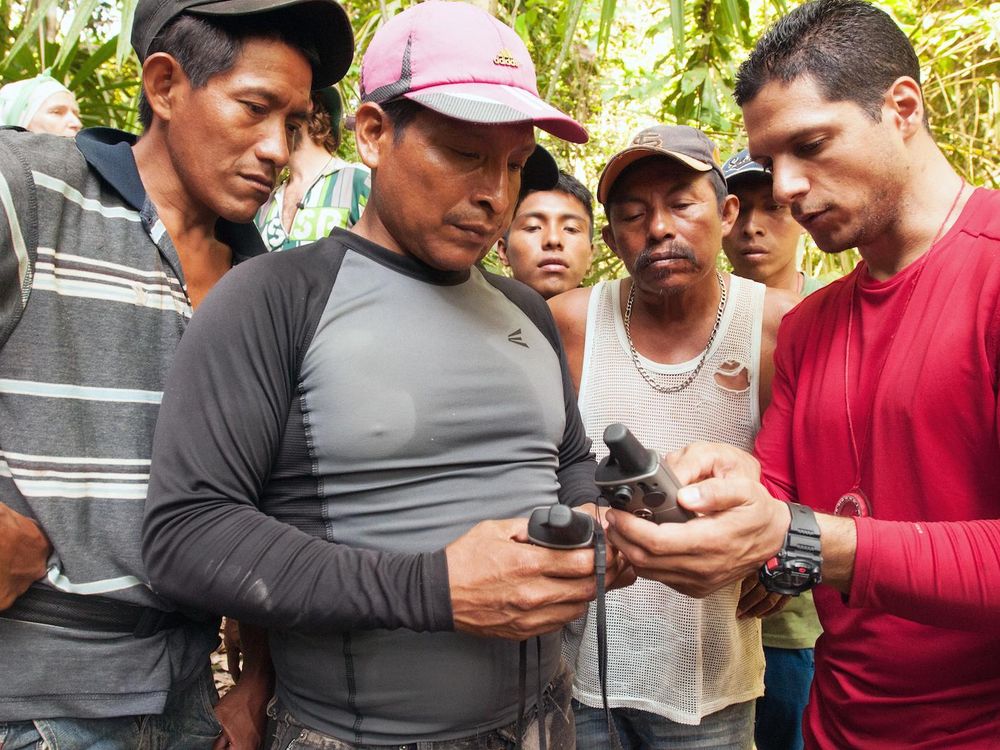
column 911, row 659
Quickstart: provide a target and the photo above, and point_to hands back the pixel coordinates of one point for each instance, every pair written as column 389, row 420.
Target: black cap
column 741, row 164
column 540, row 171
column 326, row 19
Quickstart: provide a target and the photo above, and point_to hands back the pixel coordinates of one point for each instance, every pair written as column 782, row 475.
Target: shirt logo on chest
column 515, row 337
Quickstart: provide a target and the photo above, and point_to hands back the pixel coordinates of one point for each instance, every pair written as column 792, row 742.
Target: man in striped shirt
column 107, row 244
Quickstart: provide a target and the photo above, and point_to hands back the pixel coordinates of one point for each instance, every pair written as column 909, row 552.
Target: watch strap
column 803, row 531
column 796, row 567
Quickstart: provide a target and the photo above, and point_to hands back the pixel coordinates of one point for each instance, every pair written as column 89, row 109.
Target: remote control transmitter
column 632, row 479
column 560, row 527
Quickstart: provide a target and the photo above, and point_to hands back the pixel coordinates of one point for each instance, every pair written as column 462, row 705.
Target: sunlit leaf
column 604, row 28
column 124, row 45
column 31, row 24
column 677, row 26
column 81, row 16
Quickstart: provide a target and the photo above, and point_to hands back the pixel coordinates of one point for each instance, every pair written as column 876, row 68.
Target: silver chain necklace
column 701, row 362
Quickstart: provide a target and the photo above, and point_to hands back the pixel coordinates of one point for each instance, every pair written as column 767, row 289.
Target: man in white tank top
column 678, row 352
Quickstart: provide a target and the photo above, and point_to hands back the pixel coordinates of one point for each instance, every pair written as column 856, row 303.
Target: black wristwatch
column 797, row 566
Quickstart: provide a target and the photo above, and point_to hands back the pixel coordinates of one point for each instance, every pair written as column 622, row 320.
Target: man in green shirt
column 321, row 191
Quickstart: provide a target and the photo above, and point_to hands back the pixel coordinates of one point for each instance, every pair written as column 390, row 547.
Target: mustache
column 673, row 250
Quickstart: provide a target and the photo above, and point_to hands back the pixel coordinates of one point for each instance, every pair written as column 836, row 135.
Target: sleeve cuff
column 439, row 613
column 864, row 553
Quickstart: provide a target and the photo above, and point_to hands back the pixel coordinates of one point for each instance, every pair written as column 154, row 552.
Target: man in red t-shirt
column 885, row 414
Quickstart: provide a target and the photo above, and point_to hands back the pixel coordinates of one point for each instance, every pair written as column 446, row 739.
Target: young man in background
column 764, row 241
column 549, row 245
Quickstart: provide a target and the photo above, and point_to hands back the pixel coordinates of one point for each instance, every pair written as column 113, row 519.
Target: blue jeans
column 730, row 728
column 187, row 723
column 289, row 734
column 787, row 678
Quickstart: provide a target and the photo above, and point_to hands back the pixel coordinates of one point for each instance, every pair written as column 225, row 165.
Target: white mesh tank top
column 670, row 654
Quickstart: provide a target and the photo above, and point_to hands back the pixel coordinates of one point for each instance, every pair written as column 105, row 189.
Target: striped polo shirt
column 92, row 307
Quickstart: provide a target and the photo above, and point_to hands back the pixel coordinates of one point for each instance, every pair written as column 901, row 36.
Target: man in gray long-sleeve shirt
column 344, row 418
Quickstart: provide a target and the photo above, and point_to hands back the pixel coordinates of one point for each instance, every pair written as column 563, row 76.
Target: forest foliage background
column 615, row 65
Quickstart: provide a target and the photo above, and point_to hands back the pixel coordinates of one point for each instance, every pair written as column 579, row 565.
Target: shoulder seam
column 521, row 295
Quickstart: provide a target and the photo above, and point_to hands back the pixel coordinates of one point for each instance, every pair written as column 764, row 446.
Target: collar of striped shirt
column 109, row 152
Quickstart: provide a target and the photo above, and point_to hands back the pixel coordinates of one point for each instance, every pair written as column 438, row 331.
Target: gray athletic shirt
column 337, row 414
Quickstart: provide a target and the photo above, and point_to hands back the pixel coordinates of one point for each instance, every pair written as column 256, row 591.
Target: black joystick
column 632, row 479
column 560, row 527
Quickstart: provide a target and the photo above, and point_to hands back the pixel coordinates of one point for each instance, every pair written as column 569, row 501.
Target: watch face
column 800, row 567
column 790, row 577
column 796, row 577
column 796, row 567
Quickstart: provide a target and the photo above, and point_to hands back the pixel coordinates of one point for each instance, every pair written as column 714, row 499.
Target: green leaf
column 124, row 45
column 693, row 78
column 32, row 22
column 733, row 15
column 570, row 21
column 84, row 75
column 677, row 27
column 81, row 16
column 604, row 27
column 521, row 26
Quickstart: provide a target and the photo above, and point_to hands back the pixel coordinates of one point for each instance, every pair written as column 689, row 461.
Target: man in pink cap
column 348, row 420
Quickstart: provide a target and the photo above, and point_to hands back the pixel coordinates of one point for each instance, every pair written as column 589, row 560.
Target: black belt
column 98, row 614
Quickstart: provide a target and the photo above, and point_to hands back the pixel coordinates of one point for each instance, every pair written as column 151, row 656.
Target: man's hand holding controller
column 736, row 524
column 505, row 584
column 560, row 527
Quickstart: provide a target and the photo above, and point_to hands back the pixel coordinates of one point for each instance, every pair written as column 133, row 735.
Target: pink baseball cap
column 459, row 61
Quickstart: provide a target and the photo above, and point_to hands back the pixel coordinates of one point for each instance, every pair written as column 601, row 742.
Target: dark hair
column 569, row 185
column 401, row 112
column 853, row 50
column 205, row 48
column 718, row 184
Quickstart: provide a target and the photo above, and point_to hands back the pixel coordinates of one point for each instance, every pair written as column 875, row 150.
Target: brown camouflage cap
column 687, row 145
